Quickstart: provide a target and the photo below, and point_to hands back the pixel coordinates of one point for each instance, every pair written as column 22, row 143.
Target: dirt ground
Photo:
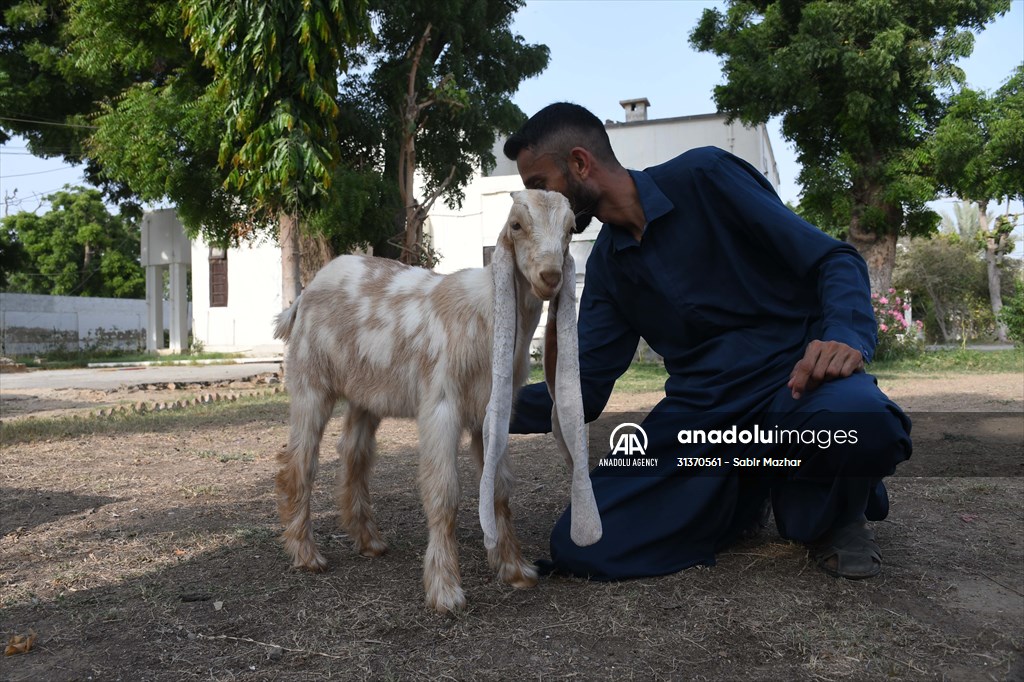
column 143, row 547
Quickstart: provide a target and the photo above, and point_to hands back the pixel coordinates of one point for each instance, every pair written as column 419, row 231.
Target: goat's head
column 537, row 233
column 535, row 243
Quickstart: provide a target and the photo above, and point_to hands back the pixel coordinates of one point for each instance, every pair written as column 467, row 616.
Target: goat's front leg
column 440, row 429
column 308, row 415
column 506, row 558
column 356, row 449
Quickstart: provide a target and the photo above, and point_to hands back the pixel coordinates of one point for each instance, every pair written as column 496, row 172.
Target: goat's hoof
column 310, row 561
column 373, row 547
column 521, row 576
column 447, row 600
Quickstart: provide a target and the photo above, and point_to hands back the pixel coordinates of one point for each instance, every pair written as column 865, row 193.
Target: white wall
column 641, row 144
column 246, row 325
column 33, row 323
column 648, row 143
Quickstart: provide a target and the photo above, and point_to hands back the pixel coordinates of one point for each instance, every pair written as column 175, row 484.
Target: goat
column 449, row 350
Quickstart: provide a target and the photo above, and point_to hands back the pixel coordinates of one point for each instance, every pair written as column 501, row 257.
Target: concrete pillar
column 154, row 307
column 165, row 244
column 179, row 308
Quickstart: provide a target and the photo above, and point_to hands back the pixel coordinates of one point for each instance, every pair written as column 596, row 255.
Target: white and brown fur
column 396, row 341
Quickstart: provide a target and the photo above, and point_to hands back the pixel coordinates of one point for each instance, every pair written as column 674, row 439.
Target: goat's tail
column 286, row 320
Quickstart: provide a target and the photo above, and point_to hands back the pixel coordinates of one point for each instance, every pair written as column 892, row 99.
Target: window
column 218, row 277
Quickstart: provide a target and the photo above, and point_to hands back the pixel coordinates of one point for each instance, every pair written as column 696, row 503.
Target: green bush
column 1012, row 315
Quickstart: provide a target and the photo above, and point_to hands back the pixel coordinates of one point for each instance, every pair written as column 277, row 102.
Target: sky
column 602, row 51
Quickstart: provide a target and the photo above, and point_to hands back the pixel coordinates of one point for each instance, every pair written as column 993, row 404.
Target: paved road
column 109, row 378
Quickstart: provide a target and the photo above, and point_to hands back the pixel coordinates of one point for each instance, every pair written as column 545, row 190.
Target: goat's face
column 538, row 230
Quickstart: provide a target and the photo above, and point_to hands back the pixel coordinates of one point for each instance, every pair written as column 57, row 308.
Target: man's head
column 557, row 150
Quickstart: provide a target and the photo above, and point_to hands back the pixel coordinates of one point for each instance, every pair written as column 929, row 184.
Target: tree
column 12, row 255
column 1006, row 144
column 39, row 98
column 76, row 249
column 857, row 85
column 440, row 88
column 277, row 66
column 965, row 221
column 242, row 125
column 158, row 135
column 939, row 271
column 966, row 164
column 1012, row 315
column 45, row 94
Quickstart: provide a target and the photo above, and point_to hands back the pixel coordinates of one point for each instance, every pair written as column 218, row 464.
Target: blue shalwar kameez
column 729, row 286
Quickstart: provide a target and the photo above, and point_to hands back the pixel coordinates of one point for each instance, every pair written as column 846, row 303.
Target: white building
column 237, row 293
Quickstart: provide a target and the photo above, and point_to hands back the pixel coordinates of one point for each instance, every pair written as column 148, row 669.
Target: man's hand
column 823, row 361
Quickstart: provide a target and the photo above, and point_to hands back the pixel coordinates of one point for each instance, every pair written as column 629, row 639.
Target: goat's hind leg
column 308, row 415
column 356, row 449
column 506, row 558
column 439, row 487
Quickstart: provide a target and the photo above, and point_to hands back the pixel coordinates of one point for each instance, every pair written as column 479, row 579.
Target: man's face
column 544, row 171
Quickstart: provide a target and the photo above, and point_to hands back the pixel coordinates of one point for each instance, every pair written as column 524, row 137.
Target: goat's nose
column 551, row 277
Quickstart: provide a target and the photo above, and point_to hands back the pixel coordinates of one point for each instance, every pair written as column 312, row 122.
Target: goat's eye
column 516, row 226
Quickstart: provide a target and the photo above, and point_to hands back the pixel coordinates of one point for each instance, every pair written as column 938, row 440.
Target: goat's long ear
column 499, row 408
column 562, row 374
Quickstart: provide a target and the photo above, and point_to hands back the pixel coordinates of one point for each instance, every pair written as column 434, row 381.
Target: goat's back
column 387, row 336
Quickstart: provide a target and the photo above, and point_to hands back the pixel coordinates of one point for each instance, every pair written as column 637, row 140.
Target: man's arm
column 849, row 336
column 848, row 324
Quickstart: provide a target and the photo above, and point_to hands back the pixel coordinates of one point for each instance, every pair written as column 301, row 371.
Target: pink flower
column 883, row 301
column 884, row 327
column 891, row 290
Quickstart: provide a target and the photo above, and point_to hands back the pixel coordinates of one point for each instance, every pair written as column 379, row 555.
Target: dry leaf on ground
column 20, row 644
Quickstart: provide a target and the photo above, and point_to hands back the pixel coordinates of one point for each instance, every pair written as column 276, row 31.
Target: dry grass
column 145, row 548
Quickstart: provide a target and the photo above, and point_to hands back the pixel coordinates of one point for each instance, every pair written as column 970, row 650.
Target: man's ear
column 581, row 162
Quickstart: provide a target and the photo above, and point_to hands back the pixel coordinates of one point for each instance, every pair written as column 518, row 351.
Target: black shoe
column 848, row 551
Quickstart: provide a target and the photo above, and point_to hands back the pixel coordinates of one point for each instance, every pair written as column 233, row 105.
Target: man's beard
column 583, row 202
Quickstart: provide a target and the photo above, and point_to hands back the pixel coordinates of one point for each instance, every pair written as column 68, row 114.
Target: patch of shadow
column 24, row 404
column 25, row 508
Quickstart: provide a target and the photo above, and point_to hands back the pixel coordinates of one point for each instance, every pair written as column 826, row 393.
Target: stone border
column 150, row 406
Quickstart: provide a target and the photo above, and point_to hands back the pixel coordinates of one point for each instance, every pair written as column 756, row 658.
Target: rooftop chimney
column 636, row 109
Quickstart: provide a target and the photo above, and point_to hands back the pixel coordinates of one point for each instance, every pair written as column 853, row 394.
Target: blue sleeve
column 607, row 345
column 844, row 290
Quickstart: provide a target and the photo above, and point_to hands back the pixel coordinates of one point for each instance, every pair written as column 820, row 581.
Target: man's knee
column 849, row 427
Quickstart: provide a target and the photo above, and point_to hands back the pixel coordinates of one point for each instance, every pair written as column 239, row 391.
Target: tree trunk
column 994, row 244
column 995, row 283
column 878, row 248
column 940, row 313
column 878, row 251
column 291, row 259
column 86, row 269
column 410, row 112
column 406, row 178
column 316, row 252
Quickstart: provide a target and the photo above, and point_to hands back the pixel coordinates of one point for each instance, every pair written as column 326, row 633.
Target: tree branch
column 438, row 191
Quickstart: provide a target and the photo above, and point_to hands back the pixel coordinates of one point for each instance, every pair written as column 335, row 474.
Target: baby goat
column 451, row 351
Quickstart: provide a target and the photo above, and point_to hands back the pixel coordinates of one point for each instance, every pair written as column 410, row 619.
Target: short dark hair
column 558, row 128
